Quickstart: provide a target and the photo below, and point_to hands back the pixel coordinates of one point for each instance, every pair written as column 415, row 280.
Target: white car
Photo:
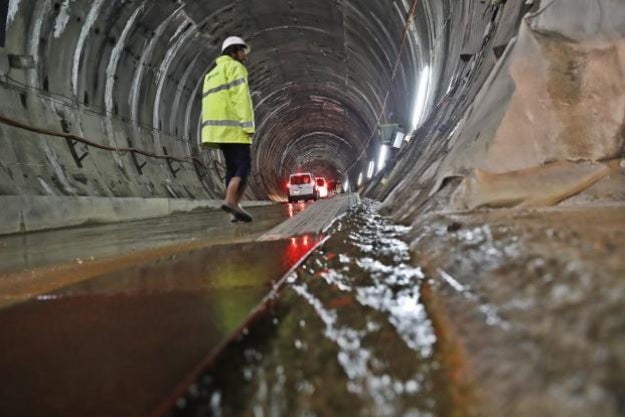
column 302, row 186
column 322, row 186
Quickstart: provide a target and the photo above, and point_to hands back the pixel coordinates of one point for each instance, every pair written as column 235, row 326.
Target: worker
column 228, row 120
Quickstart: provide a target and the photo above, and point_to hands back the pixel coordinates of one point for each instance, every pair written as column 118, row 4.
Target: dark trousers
column 238, row 161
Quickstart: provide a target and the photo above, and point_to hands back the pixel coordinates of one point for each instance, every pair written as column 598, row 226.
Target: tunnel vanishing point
column 495, row 129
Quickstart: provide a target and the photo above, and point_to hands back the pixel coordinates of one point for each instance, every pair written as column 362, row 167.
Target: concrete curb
column 22, row 214
column 315, row 219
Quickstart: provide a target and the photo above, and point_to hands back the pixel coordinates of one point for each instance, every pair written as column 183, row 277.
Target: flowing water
column 351, row 335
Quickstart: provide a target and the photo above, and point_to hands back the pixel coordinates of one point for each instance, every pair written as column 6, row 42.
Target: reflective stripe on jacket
column 227, row 110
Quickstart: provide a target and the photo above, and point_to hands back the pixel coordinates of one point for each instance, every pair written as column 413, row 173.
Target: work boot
column 239, row 214
column 247, row 213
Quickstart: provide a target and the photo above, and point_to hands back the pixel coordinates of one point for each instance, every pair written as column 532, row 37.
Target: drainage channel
column 351, row 334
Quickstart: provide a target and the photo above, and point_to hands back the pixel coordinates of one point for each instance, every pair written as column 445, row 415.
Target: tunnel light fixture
column 346, row 185
column 370, row 169
column 21, row 61
column 399, row 138
column 421, row 96
column 360, row 179
column 382, row 157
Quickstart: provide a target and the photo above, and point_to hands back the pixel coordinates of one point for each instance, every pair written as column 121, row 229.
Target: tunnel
column 490, row 132
column 128, row 75
column 105, row 96
column 326, row 79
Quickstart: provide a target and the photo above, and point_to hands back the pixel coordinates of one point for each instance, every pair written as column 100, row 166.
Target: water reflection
column 298, row 247
column 293, row 209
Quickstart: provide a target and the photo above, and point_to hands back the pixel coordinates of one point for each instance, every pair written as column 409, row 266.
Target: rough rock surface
column 535, row 301
column 543, row 185
column 568, row 102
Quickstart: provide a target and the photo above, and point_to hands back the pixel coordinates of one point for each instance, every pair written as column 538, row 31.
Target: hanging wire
column 11, row 122
column 394, row 74
column 70, row 102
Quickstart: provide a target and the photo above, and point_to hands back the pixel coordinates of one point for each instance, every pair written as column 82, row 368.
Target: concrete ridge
column 24, row 213
column 315, row 219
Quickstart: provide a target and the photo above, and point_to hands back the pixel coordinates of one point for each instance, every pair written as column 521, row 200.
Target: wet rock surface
column 535, row 300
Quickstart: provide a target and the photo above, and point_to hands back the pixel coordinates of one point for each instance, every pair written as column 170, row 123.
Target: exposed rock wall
column 550, row 113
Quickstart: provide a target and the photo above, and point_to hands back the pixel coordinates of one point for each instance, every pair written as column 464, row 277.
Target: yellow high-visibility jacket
column 227, row 110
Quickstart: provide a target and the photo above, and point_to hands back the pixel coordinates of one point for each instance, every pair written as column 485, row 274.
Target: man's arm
column 241, row 98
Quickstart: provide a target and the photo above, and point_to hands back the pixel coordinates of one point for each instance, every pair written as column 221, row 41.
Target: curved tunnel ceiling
column 323, row 73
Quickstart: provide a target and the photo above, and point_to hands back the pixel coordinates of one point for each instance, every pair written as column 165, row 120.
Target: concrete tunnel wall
column 324, row 74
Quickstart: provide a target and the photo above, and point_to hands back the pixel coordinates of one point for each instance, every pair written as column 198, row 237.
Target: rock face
column 549, row 112
column 532, row 293
column 537, row 186
column 568, row 104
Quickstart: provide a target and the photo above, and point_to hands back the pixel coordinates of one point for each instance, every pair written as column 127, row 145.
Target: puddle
column 116, row 345
column 349, row 336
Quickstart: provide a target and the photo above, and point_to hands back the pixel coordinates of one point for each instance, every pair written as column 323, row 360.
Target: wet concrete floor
column 36, row 263
column 81, row 244
column 115, row 341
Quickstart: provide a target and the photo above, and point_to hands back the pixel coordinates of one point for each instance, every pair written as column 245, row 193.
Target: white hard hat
column 234, row 40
